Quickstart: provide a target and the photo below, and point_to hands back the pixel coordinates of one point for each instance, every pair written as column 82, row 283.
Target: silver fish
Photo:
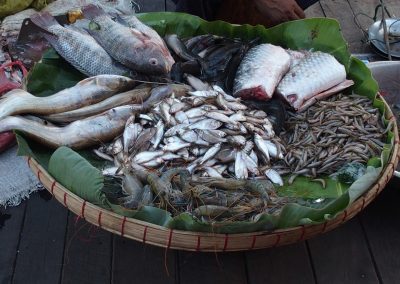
column 134, row 96
column 188, row 135
column 251, row 165
column 146, row 156
column 177, row 107
column 220, row 117
column 260, row 72
column 77, row 135
column 261, row 145
column 130, row 134
column 159, row 134
column 315, row 73
column 211, row 136
column 206, row 124
column 181, row 117
column 172, row 147
column 274, row 176
column 86, row 92
column 195, row 112
column 240, row 166
column 211, row 153
column 212, row 172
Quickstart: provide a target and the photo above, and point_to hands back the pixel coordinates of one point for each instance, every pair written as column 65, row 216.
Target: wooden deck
column 42, row 242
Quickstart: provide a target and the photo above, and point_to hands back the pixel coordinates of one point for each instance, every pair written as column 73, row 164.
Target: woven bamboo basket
column 198, row 241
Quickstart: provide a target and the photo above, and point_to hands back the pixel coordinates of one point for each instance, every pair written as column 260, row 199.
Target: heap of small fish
column 330, row 134
column 209, row 132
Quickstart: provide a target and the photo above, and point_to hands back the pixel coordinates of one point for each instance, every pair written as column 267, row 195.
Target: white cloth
column 17, row 181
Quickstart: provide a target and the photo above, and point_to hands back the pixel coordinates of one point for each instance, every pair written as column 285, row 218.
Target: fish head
column 153, row 59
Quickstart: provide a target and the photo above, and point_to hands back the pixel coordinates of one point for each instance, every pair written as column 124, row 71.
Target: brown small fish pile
column 331, row 134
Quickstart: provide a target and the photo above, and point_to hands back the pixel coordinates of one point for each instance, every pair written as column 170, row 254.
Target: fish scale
column 260, row 72
column 134, row 49
column 315, row 73
column 78, row 48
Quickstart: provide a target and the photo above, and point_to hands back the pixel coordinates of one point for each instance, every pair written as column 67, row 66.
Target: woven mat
column 17, row 181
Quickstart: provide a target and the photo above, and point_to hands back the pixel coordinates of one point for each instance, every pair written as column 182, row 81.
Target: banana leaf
column 69, row 168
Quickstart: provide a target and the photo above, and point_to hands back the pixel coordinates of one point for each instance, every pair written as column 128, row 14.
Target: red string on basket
column 253, row 243
column 144, row 234
column 99, row 219
column 226, row 242
column 303, row 231
column 83, row 209
column 52, row 187
column 345, row 215
column 198, row 243
column 65, row 199
column 123, row 226
column 278, row 239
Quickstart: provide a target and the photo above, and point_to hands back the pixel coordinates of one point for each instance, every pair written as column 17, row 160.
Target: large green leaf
column 76, row 171
column 78, row 175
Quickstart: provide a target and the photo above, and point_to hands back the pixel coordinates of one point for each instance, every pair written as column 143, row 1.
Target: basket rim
column 215, row 242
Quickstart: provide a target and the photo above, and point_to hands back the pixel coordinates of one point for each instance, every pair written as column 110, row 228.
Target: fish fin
column 121, row 20
column 44, row 20
column 94, row 26
column 325, row 94
column 92, row 11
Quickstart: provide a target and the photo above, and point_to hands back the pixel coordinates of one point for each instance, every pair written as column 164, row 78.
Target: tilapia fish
column 315, row 73
column 132, row 47
column 260, row 72
column 78, row 48
column 86, row 92
column 77, row 135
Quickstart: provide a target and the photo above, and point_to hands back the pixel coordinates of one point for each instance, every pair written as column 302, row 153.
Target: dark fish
column 275, row 110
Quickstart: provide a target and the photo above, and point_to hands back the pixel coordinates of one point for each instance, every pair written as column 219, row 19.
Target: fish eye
column 153, row 61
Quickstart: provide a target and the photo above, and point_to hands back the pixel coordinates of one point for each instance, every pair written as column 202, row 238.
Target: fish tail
column 92, row 11
column 44, row 20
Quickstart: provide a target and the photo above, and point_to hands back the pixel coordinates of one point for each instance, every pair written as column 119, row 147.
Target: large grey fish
column 260, row 72
column 133, row 22
column 79, row 49
column 131, row 47
column 77, row 135
column 315, row 73
column 86, row 92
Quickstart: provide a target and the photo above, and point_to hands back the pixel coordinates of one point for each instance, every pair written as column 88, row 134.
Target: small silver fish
column 206, row 124
column 172, row 147
column 211, row 153
column 261, row 145
column 146, row 156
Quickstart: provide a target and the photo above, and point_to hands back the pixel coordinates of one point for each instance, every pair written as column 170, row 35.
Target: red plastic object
column 7, row 139
column 6, row 84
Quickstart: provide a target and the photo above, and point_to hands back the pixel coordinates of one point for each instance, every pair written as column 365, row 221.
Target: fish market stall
column 200, row 156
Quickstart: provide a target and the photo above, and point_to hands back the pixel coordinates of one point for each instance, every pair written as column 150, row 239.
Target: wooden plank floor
column 42, row 242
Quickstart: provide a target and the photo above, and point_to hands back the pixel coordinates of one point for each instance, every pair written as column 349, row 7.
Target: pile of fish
column 331, row 134
column 99, row 45
column 209, row 132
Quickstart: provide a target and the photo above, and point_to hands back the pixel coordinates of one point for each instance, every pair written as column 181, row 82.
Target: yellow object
column 9, row 7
